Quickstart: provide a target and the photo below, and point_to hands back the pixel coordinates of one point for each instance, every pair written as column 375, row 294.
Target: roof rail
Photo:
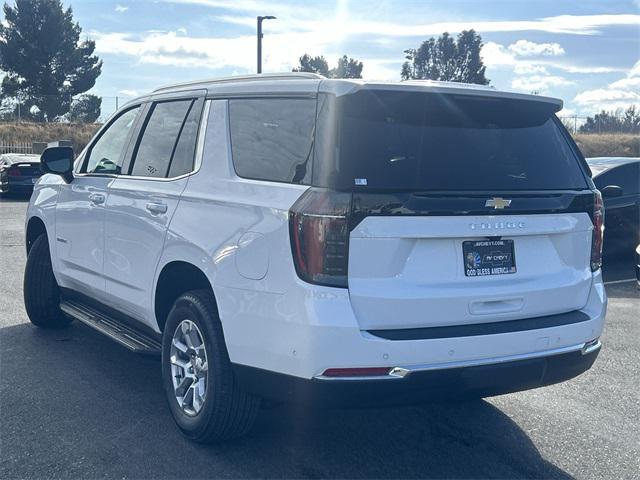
column 244, row 78
column 445, row 83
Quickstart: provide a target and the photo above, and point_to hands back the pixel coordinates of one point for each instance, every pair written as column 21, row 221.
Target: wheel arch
column 176, row 278
column 35, row 228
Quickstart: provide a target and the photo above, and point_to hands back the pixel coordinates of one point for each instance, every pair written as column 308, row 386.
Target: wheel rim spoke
column 189, row 367
column 179, row 345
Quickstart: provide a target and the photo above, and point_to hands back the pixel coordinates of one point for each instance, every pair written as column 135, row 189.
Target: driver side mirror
column 611, row 191
column 59, row 161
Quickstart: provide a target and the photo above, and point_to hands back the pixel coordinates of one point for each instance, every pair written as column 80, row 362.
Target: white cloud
column 587, row 69
column 635, row 70
column 128, row 93
column 525, row 48
column 539, row 83
column 618, row 94
column 375, row 69
column 516, row 56
column 295, row 17
column 607, row 95
column 121, row 8
column 627, row 83
column 528, row 68
column 170, row 48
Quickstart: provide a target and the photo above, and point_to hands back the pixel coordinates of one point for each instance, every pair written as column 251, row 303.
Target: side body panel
column 79, row 234
column 138, row 212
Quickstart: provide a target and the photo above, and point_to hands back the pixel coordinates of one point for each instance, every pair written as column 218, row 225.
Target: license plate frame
column 482, row 258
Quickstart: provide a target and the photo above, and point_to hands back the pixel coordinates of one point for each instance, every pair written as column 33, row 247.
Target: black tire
column 227, row 411
column 41, row 292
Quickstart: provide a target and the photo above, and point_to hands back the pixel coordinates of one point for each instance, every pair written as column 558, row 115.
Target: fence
column 97, row 109
column 19, row 147
column 574, row 123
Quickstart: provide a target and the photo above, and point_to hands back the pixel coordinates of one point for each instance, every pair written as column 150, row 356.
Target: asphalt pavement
column 73, row 404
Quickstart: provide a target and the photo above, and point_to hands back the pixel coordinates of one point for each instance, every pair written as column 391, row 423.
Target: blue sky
column 583, row 51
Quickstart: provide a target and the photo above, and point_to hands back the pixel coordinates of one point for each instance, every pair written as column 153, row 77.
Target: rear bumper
column 421, row 385
column 17, row 186
column 304, row 334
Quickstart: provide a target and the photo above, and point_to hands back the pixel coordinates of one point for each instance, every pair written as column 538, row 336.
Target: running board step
column 125, row 335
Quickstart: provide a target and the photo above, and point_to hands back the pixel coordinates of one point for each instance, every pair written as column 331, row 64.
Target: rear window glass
column 159, row 139
column 425, row 141
column 272, row 139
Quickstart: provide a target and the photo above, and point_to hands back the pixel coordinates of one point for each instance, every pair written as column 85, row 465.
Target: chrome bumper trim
column 400, row 372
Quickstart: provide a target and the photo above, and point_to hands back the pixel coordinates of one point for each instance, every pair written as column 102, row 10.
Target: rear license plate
column 488, row 257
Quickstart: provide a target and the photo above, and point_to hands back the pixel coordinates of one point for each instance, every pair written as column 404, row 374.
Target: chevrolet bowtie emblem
column 498, row 203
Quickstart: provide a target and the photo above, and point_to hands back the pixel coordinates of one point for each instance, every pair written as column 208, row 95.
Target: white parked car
column 327, row 241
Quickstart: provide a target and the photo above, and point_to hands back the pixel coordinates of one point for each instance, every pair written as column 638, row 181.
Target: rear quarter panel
column 235, row 230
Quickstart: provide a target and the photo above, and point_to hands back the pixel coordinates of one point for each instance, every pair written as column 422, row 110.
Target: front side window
column 107, row 154
column 272, row 139
column 160, row 139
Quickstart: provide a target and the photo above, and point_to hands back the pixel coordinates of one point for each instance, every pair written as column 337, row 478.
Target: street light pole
column 260, row 19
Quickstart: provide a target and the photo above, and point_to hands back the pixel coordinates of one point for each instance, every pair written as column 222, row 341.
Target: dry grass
column 608, row 145
column 592, row 145
column 78, row 133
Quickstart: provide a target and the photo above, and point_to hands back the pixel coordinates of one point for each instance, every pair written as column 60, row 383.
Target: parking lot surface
column 73, row 404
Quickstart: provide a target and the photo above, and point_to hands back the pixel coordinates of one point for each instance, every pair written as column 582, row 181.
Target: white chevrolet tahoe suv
column 332, row 242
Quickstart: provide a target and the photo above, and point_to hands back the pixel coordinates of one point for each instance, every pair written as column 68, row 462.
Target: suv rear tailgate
column 409, row 271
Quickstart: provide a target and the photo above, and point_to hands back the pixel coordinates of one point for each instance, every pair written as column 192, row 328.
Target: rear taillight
column 319, row 229
column 14, row 171
column 598, row 231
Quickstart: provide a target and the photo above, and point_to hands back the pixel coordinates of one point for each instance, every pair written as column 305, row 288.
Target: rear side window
column 272, row 139
column 182, row 161
column 168, row 135
column 425, row 141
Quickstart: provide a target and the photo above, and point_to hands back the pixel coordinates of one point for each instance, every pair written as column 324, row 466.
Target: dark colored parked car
column 19, row 172
column 618, row 178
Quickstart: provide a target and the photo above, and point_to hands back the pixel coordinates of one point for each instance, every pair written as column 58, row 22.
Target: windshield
column 428, row 141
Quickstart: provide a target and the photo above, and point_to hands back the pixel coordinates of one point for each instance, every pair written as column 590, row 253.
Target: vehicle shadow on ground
column 77, row 405
column 15, row 197
column 628, row 290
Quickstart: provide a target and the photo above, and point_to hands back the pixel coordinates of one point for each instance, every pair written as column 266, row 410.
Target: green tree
column 446, row 58
column 347, row 67
column 313, row 64
column 45, row 62
column 631, row 120
column 613, row 122
column 85, row 109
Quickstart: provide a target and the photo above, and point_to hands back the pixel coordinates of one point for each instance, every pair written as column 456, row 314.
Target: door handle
column 154, row 207
column 96, row 198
